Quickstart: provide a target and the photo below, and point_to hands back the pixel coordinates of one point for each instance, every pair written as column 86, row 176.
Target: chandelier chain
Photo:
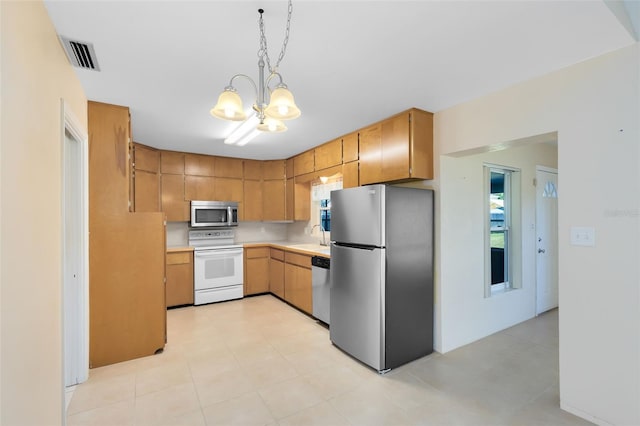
column 263, row 51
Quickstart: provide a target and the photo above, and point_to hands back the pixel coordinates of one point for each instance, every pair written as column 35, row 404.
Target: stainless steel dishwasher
column 321, row 286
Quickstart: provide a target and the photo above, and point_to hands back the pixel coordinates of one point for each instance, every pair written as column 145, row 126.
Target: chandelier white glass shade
column 270, row 106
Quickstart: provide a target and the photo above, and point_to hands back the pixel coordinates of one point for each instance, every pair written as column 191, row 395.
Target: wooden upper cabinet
column 109, row 173
column 350, row 147
column 350, row 175
column 199, row 165
column 407, row 146
column 199, row 188
column 228, row 189
column 328, row 154
column 273, row 169
column 370, row 155
column 289, row 203
column 394, row 136
column 273, row 200
column 146, row 179
column 252, row 200
column 289, row 168
column 146, row 158
column 303, row 163
column 172, row 162
column 228, row 167
column 174, row 205
column 253, row 169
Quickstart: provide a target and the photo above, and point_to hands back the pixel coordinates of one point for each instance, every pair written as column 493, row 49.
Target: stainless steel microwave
column 214, row 214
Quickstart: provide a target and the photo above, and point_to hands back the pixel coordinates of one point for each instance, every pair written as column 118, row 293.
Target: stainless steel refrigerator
column 381, row 301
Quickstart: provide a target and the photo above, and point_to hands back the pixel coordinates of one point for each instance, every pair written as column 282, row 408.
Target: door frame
column 547, row 170
column 78, row 352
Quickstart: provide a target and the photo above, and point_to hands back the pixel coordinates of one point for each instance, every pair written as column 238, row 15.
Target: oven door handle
column 217, row 252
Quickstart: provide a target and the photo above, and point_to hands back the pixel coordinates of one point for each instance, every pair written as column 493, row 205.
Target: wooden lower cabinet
column 297, row 281
column 256, row 266
column 179, row 278
column 276, row 272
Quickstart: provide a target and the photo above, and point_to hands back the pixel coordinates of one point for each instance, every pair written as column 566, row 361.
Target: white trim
column 70, row 124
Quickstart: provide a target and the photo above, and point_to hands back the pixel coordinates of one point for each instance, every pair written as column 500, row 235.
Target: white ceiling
column 348, row 63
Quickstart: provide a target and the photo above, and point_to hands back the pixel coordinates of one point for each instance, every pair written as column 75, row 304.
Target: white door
column 75, row 254
column 547, row 239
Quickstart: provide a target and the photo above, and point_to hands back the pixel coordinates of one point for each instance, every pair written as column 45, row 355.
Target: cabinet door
column 370, row 155
column 303, row 163
column 297, row 287
column 145, row 158
column 199, row 188
column 253, row 169
column 289, row 201
column 228, row 167
column 395, row 148
column 109, row 173
column 174, row 205
column 350, row 175
column 199, row 165
column 252, row 200
column 328, row 154
column 421, row 144
column 146, row 191
column 256, row 277
column 228, row 189
column 350, row 147
column 273, row 169
column 273, row 205
column 276, row 277
column 302, row 201
column 179, row 279
column 172, row 162
column 289, row 168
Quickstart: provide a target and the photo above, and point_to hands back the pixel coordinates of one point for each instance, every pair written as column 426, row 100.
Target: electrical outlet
column 583, row 236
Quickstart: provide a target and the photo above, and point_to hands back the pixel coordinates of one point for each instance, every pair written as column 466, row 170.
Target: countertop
column 302, row 248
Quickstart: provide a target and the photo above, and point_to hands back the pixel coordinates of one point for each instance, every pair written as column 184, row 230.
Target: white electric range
column 217, row 267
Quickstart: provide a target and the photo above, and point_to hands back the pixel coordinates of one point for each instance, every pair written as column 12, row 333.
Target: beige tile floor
column 258, row 361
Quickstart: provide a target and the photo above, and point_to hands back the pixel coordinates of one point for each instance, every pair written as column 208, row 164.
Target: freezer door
column 356, row 304
column 357, row 216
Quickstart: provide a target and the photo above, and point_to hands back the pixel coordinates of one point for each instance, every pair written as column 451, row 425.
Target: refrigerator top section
column 381, row 216
column 357, row 216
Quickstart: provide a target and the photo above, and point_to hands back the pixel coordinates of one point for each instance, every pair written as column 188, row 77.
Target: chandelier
column 271, row 106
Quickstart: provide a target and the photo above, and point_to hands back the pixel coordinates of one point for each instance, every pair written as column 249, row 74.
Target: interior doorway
column 546, row 239
column 75, row 257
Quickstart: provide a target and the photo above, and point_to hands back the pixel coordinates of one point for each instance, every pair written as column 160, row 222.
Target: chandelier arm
column 255, row 88
column 271, row 76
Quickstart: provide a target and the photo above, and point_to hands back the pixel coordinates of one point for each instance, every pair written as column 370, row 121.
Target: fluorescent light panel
column 244, row 132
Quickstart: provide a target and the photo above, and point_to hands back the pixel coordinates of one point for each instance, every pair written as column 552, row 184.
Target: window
column 325, row 214
column 499, row 208
column 321, row 203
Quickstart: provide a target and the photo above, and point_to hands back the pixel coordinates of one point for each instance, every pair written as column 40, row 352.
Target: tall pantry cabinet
column 127, row 310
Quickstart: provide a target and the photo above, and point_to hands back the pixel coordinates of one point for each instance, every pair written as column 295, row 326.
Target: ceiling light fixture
column 271, row 106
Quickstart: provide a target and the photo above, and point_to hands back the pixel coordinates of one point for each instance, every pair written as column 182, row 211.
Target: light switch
column 583, row 236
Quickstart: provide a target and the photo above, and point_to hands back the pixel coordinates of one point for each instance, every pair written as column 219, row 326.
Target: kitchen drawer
column 277, row 254
column 298, row 259
column 254, row 252
column 178, row 258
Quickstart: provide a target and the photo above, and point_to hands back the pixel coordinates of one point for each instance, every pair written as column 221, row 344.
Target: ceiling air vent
column 80, row 54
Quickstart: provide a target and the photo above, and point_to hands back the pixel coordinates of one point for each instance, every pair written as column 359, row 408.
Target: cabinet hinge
column 165, row 280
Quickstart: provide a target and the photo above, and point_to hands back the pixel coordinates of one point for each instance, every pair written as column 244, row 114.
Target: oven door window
column 218, row 268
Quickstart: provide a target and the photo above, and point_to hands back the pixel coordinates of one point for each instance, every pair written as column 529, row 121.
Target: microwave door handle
column 229, row 215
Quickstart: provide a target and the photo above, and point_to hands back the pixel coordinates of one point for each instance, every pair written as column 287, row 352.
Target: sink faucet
column 324, row 241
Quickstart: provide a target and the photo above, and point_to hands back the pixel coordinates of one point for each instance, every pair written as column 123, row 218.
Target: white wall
column 595, row 108
column 467, row 315
column 35, row 75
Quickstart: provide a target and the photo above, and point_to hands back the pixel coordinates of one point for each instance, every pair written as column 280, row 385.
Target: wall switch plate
column 583, row 236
